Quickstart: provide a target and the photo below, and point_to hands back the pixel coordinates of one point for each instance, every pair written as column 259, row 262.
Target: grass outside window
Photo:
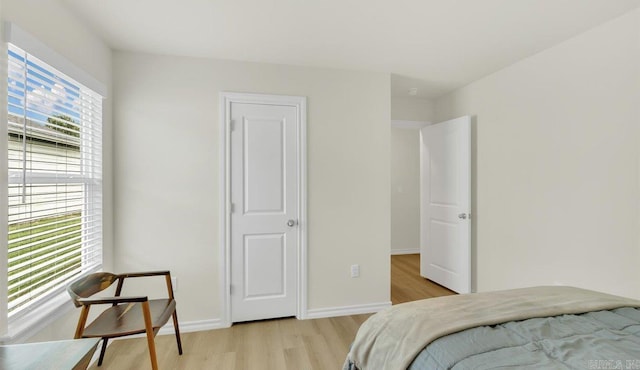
column 50, row 238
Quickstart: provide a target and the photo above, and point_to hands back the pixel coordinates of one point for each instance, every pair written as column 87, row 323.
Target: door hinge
column 230, row 289
column 232, row 207
column 232, row 125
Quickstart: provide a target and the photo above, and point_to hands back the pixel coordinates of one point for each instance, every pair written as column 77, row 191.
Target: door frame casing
column 224, row 141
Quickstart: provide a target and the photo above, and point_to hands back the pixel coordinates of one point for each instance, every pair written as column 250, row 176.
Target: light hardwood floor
column 271, row 344
column 406, row 283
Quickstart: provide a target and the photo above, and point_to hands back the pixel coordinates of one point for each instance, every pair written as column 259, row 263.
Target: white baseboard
column 201, row 325
column 319, row 313
column 191, row 326
column 185, row 327
column 405, row 251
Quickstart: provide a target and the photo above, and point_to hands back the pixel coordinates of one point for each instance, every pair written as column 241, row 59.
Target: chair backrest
column 89, row 285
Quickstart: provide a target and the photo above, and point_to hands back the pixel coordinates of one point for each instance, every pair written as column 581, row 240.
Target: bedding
column 585, row 341
column 540, row 327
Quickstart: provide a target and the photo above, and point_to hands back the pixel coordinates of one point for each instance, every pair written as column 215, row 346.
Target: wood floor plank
column 271, row 344
column 296, row 358
column 406, row 283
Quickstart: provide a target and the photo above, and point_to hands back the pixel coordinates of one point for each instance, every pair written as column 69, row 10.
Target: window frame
column 24, row 324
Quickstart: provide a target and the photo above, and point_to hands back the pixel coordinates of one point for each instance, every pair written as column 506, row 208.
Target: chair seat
column 127, row 319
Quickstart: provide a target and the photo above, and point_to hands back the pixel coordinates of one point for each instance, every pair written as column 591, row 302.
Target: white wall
column 166, row 174
column 412, row 109
column 405, row 190
column 54, row 26
column 557, row 164
column 405, row 172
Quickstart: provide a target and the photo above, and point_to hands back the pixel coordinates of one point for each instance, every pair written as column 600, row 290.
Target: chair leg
column 150, row 334
column 104, row 348
column 82, row 321
column 175, row 326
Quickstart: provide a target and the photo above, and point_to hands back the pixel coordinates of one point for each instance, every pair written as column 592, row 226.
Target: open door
column 445, row 209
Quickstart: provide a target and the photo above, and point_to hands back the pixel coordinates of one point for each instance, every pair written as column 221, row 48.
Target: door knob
column 462, row 216
column 291, row 223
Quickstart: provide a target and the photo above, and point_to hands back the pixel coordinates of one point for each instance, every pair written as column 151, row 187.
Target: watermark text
column 614, row 364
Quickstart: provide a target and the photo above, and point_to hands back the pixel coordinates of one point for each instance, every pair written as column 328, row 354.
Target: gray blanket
column 392, row 338
column 594, row 340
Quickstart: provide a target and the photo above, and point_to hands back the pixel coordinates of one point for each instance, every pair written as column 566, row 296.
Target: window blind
column 54, row 182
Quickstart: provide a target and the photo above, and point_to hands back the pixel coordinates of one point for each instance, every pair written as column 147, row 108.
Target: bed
column 531, row 328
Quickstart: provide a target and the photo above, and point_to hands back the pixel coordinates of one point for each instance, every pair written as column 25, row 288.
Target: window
column 54, row 131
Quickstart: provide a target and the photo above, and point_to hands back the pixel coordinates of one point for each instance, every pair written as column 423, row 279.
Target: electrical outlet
column 174, row 283
column 355, row 271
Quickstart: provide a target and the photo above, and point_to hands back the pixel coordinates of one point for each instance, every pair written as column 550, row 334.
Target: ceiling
column 435, row 45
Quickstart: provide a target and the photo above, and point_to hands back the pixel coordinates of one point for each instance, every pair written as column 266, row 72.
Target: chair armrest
column 111, row 300
column 144, row 274
column 165, row 273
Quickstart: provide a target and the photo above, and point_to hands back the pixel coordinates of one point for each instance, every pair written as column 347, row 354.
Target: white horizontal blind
column 55, row 181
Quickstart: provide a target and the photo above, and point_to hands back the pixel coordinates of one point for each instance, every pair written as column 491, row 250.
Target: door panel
column 445, row 227
column 264, row 197
column 264, row 265
column 443, row 169
column 264, row 165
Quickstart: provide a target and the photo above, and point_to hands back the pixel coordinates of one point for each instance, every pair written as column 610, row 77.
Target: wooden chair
column 127, row 315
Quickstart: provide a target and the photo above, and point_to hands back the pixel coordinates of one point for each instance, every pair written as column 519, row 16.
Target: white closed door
column 445, row 210
column 264, row 223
